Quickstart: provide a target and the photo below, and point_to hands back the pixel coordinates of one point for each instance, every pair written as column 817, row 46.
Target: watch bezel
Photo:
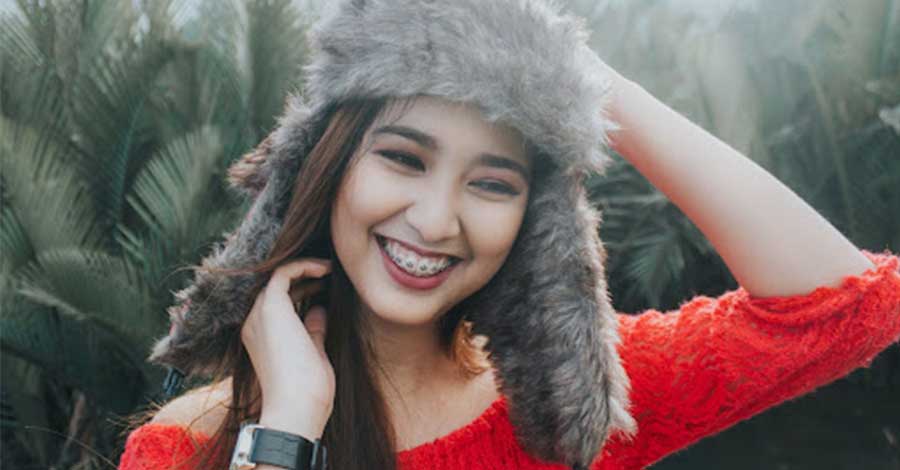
column 240, row 458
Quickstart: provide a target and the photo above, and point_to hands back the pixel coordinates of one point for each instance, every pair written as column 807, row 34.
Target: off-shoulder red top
column 694, row 371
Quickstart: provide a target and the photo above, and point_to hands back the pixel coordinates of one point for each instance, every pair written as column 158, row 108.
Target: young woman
column 429, row 199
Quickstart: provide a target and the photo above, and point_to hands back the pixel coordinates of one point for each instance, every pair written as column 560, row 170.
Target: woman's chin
column 402, row 310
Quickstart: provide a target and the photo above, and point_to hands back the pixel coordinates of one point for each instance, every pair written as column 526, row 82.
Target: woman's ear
column 250, row 172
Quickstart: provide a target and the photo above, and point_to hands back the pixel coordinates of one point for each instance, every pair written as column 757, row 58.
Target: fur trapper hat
column 547, row 315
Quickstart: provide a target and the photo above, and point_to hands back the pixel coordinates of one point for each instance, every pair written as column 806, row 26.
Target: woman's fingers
column 287, row 351
column 284, row 274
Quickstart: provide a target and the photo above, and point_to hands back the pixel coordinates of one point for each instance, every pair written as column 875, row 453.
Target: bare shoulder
column 203, row 408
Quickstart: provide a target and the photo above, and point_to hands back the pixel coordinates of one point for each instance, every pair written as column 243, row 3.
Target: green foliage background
column 118, row 119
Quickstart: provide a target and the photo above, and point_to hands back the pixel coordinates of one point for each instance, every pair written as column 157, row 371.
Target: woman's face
column 430, row 208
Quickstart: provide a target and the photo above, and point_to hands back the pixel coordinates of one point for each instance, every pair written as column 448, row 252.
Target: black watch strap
column 287, row 450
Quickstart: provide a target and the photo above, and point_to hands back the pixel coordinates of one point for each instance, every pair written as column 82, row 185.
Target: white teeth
column 414, row 263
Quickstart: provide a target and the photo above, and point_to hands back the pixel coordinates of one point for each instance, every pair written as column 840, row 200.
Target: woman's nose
column 435, row 215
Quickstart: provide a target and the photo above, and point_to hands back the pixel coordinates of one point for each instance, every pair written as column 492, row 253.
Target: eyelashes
column 404, row 159
column 496, row 187
column 414, row 163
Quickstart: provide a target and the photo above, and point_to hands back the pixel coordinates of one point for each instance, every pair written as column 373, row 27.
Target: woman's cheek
column 376, row 194
column 492, row 229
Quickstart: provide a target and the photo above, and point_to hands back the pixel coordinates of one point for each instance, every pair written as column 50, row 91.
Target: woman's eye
column 403, row 159
column 497, row 187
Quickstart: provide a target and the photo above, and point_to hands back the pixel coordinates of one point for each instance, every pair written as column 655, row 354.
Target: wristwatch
column 257, row 444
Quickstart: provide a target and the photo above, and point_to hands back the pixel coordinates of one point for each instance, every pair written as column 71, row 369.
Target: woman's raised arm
column 772, row 241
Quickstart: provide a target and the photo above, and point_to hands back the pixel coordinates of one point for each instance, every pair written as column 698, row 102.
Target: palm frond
column 48, row 197
column 657, row 263
column 889, row 42
column 91, row 287
column 15, row 249
column 276, row 49
column 178, row 196
column 74, row 352
column 33, row 93
column 205, row 84
column 18, row 43
column 114, row 94
column 29, row 408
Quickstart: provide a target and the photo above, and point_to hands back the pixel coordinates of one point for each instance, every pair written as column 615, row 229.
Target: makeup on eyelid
column 496, row 185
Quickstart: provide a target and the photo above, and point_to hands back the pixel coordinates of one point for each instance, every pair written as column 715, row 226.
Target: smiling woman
column 418, row 212
column 430, row 184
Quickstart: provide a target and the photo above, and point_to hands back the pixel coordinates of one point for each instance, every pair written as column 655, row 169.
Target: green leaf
column 30, row 408
column 178, row 198
column 94, row 287
column 73, row 352
column 48, row 197
column 276, row 49
column 656, row 263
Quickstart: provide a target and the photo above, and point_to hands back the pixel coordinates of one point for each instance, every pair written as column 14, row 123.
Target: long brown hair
column 358, row 432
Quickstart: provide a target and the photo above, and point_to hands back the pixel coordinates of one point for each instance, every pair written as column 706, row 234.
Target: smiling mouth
column 413, row 263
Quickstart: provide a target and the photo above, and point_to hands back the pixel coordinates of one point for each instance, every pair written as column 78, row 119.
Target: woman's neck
column 410, row 360
column 426, row 392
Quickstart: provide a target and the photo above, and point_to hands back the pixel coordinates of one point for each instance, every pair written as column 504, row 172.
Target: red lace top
column 694, row 371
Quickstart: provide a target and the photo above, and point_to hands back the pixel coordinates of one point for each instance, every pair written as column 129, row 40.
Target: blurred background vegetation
column 118, row 119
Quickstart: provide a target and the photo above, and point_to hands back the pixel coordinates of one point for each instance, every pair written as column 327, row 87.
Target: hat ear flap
column 207, row 315
column 552, row 332
column 250, row 172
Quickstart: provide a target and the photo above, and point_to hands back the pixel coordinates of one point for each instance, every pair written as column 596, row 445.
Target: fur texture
column 551, row 327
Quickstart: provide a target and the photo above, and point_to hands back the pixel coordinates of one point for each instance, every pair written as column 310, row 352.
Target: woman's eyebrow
column 498, row 161
column 430, row 143
column 415, row 135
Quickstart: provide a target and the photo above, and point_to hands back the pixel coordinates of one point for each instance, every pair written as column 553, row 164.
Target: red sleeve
column 155, row 446
column 717, row 361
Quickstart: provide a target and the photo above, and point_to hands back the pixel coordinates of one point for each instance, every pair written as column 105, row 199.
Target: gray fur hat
column 550, row 325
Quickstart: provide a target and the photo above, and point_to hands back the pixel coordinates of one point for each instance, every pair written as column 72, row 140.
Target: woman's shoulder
column 201, row 409
column 177, row 428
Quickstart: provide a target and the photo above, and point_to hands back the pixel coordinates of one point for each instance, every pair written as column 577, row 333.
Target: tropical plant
column 117, row 122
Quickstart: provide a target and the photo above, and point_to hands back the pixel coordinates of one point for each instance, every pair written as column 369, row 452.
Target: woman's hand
column 288, row 354
column 617, row 88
